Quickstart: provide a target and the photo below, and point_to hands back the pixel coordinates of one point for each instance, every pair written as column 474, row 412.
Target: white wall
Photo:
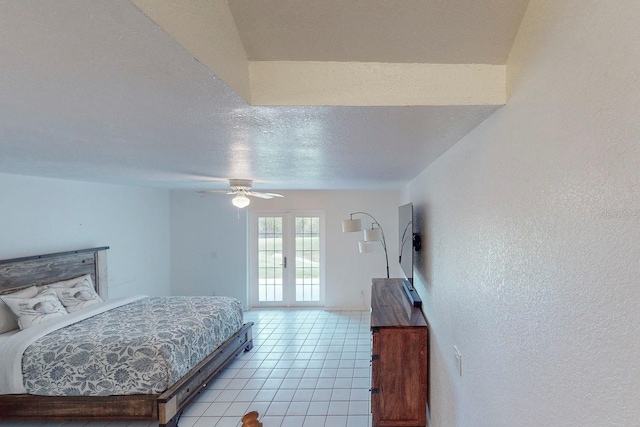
column 202, row 226
column 208, row 246
column 40, row 215
column 531, row 227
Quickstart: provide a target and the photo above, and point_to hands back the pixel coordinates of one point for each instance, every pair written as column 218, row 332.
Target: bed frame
column 166, row 407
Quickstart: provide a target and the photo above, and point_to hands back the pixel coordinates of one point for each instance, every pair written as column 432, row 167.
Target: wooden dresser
column 399, row 358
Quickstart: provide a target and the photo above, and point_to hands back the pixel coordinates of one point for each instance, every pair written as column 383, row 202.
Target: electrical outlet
column 458, row 359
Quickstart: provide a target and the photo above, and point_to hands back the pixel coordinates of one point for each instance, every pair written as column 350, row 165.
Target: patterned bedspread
column 140, row 348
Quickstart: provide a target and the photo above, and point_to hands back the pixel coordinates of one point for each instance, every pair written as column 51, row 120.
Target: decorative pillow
column 70, row 283
column 80, row 296
column 34, row 311
column 7, row 319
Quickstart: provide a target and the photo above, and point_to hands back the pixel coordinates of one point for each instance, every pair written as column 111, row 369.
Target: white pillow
column 80, row 296
column 7, row 319
column 34, row 311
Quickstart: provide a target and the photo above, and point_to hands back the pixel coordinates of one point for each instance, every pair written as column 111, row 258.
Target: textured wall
column 531, row 227
column 208, row 246
column 41, row 215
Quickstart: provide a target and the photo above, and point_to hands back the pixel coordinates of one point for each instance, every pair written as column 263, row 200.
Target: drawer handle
column 375, row 357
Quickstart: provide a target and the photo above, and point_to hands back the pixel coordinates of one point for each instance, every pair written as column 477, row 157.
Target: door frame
column 288, row 233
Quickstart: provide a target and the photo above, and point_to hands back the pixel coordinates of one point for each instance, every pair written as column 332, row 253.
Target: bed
column 108, row 391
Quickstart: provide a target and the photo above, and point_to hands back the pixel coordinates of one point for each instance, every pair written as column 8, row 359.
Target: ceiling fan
column 241, row 188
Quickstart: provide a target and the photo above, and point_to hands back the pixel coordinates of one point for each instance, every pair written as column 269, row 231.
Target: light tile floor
column 308, row 368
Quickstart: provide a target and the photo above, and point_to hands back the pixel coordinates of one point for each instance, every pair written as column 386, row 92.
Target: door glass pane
column 307, row 260
column 270, row 265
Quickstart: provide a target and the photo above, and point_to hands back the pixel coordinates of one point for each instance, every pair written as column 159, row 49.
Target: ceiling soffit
column 207, row 30
column 389, row 31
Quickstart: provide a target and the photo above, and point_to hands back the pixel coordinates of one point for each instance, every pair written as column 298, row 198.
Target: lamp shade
column 351, row 225
column 372, row 234
column 365, row 247
column 240, row 201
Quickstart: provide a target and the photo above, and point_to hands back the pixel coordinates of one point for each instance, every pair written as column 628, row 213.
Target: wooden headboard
column 44, row 269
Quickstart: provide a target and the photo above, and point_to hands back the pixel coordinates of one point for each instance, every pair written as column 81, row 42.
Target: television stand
column 411, row 293
column 399, row 354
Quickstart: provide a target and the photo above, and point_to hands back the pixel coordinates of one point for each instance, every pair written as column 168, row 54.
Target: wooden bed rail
column 172, row 402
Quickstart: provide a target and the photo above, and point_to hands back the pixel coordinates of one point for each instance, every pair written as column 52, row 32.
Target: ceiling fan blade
column 263, row 195
column 216, row 192
column 259, row 195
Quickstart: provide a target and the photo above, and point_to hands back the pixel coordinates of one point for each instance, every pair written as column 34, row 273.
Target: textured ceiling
column 94, row 90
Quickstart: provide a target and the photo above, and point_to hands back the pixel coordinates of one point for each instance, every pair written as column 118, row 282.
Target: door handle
column 284, row 262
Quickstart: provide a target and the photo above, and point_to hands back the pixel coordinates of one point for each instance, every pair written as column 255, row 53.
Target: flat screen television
column 409, row 242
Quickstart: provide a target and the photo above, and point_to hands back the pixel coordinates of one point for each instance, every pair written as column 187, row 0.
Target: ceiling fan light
column 240, row 201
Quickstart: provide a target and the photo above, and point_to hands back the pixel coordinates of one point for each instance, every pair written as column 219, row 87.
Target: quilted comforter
column 143, row 347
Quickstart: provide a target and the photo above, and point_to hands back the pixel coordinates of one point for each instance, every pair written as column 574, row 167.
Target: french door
column 286, row 259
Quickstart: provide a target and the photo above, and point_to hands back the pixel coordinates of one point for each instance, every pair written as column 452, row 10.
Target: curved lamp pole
column 370, row 234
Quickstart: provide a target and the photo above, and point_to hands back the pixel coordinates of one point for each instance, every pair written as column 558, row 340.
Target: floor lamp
column 371, row 235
